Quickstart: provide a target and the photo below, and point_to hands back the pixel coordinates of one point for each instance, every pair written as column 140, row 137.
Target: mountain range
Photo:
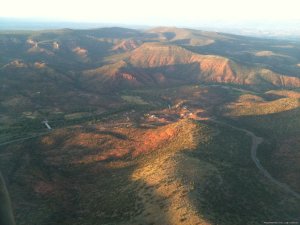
column 159, row 126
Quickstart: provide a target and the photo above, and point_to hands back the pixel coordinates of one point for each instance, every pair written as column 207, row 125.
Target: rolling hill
column 161, row 126
column 137, row 58
column 158, row 64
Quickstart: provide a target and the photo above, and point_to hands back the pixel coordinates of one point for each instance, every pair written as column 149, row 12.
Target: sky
column 153, row 12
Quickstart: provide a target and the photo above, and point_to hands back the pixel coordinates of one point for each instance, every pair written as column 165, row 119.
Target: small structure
column 47, row 124
column 153, row 117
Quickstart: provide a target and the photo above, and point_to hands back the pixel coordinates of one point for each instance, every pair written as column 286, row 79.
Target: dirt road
column 255, row 143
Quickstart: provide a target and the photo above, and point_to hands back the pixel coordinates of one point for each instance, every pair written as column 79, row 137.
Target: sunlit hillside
column 161, row 126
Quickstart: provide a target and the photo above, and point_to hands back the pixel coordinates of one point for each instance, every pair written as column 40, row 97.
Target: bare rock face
column 126, row 45
column 80, row 52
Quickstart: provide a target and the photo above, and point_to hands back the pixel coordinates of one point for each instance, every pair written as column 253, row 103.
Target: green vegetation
column 237, row 193
column 134, row 100
column 126, row 148
column 275, row 117
column 222, row 182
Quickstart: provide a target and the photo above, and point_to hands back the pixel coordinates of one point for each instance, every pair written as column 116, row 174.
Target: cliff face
column 161, row 64
column 115, row 58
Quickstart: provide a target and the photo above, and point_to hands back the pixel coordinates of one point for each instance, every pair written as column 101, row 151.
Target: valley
column 160, row 126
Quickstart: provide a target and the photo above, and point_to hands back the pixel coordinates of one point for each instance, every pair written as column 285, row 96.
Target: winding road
column 255, row 143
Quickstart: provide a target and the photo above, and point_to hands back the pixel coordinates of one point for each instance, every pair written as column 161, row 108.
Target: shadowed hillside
column 162, row 126
column 158, row 64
